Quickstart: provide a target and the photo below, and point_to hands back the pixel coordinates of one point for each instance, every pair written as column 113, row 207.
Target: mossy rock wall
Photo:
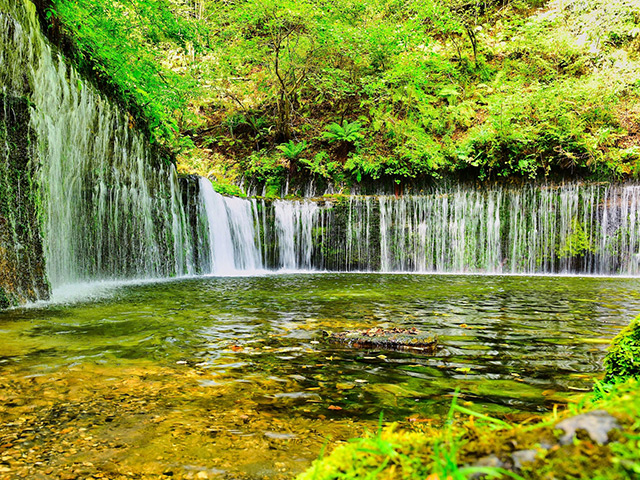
column 196, row 226
column 22, row 264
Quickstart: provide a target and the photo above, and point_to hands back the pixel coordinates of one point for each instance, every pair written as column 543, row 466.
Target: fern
column 292, row 150
column 350, row 132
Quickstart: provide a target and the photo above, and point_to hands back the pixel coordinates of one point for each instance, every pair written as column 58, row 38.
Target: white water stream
column 233, row 246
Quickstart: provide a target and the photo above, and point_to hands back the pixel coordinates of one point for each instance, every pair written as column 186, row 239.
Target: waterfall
column 546, row 229
column 110, row 207
column 294, row 223
column 95, row 197
column 232, row 241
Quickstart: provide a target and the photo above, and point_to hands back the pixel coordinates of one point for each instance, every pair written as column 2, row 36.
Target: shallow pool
column 232, row 376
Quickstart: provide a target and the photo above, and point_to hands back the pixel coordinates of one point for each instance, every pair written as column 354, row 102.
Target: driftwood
column 393, row 339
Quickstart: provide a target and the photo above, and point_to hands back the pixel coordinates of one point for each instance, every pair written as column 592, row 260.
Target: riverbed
column 231, row 377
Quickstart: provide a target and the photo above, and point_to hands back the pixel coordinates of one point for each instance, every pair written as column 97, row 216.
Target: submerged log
column 410, row 339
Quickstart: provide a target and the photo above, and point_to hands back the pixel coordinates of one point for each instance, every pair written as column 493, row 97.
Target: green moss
column 22, row 269
column 623, row 360
column 4, row 299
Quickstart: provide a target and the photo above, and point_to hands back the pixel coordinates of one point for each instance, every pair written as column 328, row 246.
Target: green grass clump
column 391, row 454
column 451, row 451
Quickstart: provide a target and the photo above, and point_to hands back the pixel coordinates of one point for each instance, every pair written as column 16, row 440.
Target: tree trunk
column 283, row 129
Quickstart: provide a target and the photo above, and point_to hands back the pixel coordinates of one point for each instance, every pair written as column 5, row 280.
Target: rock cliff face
column 22, row 266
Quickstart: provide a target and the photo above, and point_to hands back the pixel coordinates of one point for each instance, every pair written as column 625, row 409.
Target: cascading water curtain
column 111, row 208
column 573, row 228
column 232, row 243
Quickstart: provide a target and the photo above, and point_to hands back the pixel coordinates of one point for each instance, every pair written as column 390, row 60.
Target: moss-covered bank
column 623, row 360
column 470, row 445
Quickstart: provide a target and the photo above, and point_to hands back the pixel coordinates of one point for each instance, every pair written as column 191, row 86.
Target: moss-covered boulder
column 623, row 360
column 379, row 339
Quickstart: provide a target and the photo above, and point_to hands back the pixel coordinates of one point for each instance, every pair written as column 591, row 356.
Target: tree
column 288, row 32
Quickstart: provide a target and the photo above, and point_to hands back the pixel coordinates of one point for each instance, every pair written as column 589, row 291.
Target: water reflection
column 517, row 336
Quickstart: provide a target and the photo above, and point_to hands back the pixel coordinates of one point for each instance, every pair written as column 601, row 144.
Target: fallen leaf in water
column 418, row 420
column 334, row 407
column 345, row 386
column 596, row 341
column 236, row 348
column 464, row 325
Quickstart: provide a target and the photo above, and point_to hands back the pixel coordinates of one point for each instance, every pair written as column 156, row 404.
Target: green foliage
column 292, row 150
column 228, row 189
column 627, row 457
column 5, row 301
column 124, row 44
column 623, row 358
column 349, row 132
column 363, row 165
column 264, row 168
column 400, row 90
column 577, row 243
column 322, row 165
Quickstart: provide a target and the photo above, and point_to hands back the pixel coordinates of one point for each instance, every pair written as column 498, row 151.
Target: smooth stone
column 597, row 424
column 520, row 457
column 280, row 436
column 491, row 461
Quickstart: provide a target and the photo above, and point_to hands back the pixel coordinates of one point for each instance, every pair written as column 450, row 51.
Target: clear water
column 244, row 356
